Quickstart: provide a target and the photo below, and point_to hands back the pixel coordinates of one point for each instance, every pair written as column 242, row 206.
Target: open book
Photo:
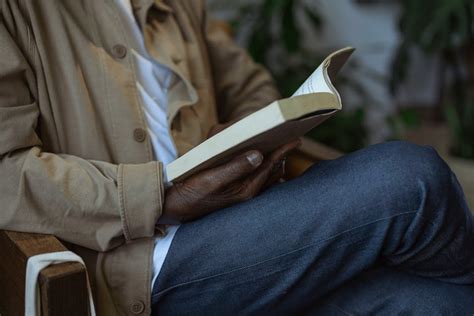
column 272, row 126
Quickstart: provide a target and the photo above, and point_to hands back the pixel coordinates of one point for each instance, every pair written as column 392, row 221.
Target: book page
column 315, row 83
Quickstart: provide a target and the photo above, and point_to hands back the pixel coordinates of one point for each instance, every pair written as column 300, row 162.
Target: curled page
column 320, row 80
column 315, row 83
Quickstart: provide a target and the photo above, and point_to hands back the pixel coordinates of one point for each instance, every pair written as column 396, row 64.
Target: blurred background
column 411, row 78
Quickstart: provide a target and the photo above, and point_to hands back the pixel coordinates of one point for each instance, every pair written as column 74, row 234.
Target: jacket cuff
column 141, row 195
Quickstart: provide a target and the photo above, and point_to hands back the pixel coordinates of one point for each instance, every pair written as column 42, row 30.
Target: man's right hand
column 238, row 180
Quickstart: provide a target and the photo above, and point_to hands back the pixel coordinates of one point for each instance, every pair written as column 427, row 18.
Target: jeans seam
column 282, row 255
column 155, row 297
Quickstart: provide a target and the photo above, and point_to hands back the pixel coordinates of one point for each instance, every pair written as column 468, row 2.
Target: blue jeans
column 386, row 291
column 298, row 246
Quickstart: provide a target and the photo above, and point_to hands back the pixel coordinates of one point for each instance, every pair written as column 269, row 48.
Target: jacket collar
column 161, row 5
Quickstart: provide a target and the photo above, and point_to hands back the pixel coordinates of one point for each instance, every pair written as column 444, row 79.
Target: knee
column 395, row 172
column 410, row 162
column 390, row 167
column 411, row 168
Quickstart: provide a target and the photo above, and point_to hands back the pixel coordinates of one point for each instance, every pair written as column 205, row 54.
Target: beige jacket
column 75, row 160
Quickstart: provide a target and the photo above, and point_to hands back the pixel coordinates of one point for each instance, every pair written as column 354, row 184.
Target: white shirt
column 153, row 80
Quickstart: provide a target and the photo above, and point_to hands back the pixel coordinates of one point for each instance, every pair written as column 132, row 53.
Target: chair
column 63, row 287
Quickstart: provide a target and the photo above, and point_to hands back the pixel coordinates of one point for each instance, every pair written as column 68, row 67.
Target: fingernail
column 255, row 159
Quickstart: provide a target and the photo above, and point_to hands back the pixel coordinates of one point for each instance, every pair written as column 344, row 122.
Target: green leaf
column 400, row 67
column 410, row 118
column 257, row 46
column 344, row 131
column 272, row 7
column 453, row 120
column 290, row 32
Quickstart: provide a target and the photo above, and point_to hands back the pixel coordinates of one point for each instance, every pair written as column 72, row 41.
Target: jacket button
column 119, row 51
column 139, row 134
column 176, row 60
column 137, row 307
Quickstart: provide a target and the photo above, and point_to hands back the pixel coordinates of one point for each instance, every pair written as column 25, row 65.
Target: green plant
column 444, row 28
column 402, row 121
column 462, row 128
column 347, row 123
column 275, row 38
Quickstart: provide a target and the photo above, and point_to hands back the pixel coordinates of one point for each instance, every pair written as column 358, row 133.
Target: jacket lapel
column 161, row 38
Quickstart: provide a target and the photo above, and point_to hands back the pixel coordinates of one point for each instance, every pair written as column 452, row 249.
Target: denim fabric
column 393, row 204
column 385, row 291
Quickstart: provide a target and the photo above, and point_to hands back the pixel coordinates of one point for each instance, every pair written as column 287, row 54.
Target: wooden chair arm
column 63, row 287
column 309, row 153
column 318, row 151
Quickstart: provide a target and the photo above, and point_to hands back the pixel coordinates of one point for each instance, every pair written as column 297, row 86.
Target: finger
column 278, row 173
column 283, row 151
column 251, row 186
column 255, row 184
column 215, row 130
column 217, row 178
column 219, row 128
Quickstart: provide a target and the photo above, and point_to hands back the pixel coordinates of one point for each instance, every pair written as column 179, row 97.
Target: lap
column 294, row 243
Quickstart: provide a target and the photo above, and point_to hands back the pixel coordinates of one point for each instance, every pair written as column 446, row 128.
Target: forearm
column 94, row 204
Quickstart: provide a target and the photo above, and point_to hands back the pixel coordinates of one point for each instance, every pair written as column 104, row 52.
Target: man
column 97, row 96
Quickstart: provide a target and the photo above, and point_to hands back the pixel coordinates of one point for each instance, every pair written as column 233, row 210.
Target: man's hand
column 238, row 180
column 218, row 128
